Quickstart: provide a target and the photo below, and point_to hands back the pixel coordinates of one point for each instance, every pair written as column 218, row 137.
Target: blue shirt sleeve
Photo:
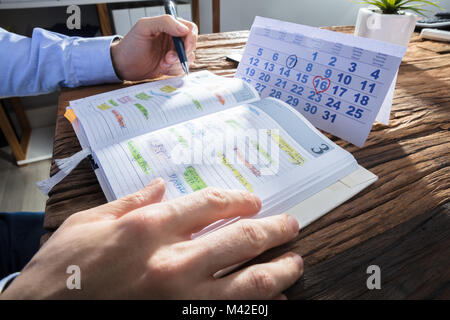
column 48, row 61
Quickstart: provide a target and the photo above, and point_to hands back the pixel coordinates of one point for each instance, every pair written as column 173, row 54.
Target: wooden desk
column 401, row 223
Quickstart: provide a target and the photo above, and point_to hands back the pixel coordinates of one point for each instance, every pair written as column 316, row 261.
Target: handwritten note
column 337, row 81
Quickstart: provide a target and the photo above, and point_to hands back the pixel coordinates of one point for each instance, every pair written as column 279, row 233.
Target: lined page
column 238, row 148
column 122, row 114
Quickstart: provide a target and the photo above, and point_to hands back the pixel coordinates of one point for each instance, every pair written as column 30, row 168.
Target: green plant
column 396, row 6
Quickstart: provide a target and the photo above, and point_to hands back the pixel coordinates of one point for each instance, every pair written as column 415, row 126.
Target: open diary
column 204, row 130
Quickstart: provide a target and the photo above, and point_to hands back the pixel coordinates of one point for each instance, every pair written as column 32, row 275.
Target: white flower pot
column 393, row 28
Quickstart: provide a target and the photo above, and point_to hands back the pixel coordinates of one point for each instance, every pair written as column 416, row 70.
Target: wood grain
column 400, row 223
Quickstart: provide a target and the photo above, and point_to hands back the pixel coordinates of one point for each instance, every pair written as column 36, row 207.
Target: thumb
column 165, row 23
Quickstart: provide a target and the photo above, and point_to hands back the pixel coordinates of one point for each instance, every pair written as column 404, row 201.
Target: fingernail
column 156, row 181
column 298, row 260
column 257, row 201
column 294, row 223
column 182, row 28
column 282, row 297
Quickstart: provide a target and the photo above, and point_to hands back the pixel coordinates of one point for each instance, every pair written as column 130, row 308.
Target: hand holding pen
column 169, row 7
column 148, row 50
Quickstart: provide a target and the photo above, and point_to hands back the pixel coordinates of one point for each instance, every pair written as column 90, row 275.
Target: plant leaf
column 376, row 3
column 393, row 6
column 416, row 10
column 431, row 3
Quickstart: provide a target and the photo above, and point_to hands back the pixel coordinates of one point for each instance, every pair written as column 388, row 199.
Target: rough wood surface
column 401, row 223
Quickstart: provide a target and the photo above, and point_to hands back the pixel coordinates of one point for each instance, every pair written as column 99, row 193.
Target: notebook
column 205, row 130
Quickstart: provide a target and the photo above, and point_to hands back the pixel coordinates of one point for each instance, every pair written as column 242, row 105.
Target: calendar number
column 275, row 94
column 264, row 77
column 310, row 108
column 275, row 56
column 302, row 77
column 365, row 85
column 280, row 83
column 292, row 101
column 250, row 72
column 254, row 62
column 353, row 66
column 269, row 66
column 309, row 67
column 327, row 115
column 355, row 112
column 332, row 62
column 346, row 79
column 339, row 90
column 362, row 100
column 285, row 72
column 321, row 84
column 331, row 103
column 375, row 74
column 260, row 52
column 260, row 87
column 297, row 89
column 291, row 61
column 317, row 97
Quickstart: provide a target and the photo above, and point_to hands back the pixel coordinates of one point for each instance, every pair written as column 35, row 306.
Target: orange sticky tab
column 70, row 115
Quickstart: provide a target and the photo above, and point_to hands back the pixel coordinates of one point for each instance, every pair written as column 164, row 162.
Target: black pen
column 179, row 46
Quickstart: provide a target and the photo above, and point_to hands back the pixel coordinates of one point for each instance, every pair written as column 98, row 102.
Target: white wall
column 239, row 14
column 205, row 8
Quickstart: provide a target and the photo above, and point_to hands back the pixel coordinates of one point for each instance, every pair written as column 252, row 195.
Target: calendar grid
column 318, row 105
column 325, row 65
column 338, row 82
column 308, row 73
column 309, row 87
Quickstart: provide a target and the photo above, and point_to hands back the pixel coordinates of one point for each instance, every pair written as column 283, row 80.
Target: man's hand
column 147, row 51
column 139, row 247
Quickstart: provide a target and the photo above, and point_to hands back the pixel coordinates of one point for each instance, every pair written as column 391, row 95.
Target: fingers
column 152, row 193
column 165, row 23
column 191, row 213
column 190, row 41
column 244, row 240
column 171, row 62
column 173, row 27
column 262, row 281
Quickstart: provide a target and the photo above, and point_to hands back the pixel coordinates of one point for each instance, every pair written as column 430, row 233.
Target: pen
column 179, row 46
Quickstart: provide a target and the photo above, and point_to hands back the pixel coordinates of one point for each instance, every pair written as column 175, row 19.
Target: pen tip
column 185, row 67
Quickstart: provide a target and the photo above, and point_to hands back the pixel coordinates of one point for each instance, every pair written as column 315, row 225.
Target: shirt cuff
column 92, row 62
